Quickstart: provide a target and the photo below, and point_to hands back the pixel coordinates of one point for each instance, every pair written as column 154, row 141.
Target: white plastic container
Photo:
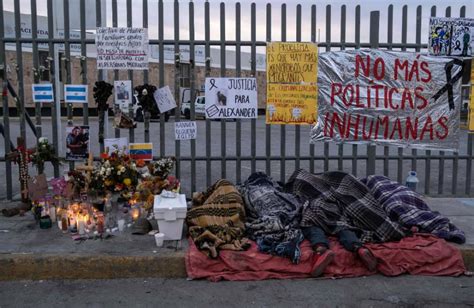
column 170, row 213
column 412, row 180
column 159, row 239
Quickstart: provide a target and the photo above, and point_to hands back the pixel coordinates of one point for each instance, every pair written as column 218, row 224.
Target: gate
column 230, row 150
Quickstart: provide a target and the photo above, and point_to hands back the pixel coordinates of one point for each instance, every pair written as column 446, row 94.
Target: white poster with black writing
column 185, row 130
column 231, row 98
column 122, row 48
column 164, row 99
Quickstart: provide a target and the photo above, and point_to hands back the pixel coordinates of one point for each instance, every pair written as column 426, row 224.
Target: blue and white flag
column 75, row 93
column 43, row 93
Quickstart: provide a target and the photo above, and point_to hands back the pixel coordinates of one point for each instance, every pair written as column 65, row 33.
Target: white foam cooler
column 170, row 214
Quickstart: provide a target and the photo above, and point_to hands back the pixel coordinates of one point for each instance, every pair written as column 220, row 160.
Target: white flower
column 144, row 92
column 43, row 140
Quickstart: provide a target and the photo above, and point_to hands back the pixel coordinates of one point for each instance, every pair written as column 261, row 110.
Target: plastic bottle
column 412, row 180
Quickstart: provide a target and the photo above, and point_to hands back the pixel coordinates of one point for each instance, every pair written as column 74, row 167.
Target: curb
column 169, row 265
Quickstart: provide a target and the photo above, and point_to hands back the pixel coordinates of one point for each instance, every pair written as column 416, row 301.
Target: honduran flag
column 141, row 151
column 43, row 93
column 75, row 93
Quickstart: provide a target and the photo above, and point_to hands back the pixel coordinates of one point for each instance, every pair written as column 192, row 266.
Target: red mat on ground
column 420, row 255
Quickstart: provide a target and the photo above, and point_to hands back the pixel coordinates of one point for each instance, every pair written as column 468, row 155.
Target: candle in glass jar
column 81, row 225
column 135, row 213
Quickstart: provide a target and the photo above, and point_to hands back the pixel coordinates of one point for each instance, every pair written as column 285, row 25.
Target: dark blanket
column 338, row 201
column 408, row 209
column 272, row 217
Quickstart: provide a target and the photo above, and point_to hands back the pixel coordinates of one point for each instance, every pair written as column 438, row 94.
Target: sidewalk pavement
column 28, row 252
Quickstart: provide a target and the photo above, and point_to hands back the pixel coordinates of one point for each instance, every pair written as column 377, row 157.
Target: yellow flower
column 127, row 181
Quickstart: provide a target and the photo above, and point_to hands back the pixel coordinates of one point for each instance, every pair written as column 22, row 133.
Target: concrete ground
column 27, row 252
column 373, row 291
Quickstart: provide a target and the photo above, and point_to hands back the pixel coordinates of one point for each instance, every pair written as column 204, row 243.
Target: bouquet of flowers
column 44, row 152
column 162, row 167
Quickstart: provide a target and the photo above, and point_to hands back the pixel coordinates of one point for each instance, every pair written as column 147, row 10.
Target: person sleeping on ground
column 338, row 204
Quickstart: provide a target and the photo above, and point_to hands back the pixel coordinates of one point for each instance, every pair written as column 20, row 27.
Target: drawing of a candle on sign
column 231, row 98
column 271, row 110
column 296, row 113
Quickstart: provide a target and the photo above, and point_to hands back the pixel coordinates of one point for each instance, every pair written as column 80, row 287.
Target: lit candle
column 135, row 213
column 81, row 225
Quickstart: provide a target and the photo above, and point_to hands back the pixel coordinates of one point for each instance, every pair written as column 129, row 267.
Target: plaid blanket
column 272, row 217
column 338, row 201
column 216, row 220
column 408, row 209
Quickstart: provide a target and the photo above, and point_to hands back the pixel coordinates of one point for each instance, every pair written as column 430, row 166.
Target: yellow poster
column 471, row 102
column 291, row 83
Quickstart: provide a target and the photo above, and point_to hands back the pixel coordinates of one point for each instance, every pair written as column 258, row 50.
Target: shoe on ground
column 323, row 261
column 367, row 258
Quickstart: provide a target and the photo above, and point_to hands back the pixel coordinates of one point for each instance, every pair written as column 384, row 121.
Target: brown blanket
column 216, row 220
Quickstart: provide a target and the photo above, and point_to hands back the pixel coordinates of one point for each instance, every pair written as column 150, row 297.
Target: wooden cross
column 21, row 157
column 87, row 168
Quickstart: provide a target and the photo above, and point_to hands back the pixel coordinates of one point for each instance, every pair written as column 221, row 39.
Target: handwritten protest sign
column 164, row 99
column 451, row 36
column 387, row 97
column 231, row 98
column 122, row 48
column 185, row 130
column 291, row 83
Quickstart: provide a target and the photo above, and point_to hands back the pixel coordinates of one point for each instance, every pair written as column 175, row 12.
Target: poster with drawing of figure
column 451, row 36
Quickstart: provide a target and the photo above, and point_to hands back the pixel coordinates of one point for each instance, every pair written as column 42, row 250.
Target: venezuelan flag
column 141, row 151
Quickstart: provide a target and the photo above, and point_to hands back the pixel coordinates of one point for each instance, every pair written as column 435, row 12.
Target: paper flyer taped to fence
column 451, row 36
column 231, row 98
column 122, row 48
column 77, row 142
column 123, row 93
column 390, row 98
column 116, row 144
column 75, row 93
column 185, row 130
column 164, row 99
column 141, row 151
column 42, row 93
column 291, row 83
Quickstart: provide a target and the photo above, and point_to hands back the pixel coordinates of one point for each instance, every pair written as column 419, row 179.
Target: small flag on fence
column 141, row 151
column 75, row 93
column 43, row 93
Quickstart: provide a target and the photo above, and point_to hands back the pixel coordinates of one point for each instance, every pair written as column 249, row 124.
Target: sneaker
column 367, row 258
column 323, row 261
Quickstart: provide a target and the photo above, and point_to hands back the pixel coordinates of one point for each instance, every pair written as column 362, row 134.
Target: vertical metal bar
column 54, row 118
column 100, row 77
column 374, row 43
column 238, row 67
column 298, row 127
column 131, row 131
column 386, row 149
column 85, row 108
column 404, row 42
column 193, row 95
column 417, row 49
column 428, row 152
column 357, row 42
column 313, row 39
column 223, row 121
column 177, row 143
column 146, row 117
column 67, row 64
column 340, row 150
column 253, row 69
column 36, row 71
column 161, row 73
column 283, row 127
column 207, row 30
column 328, row 48
column 469, row 165
column 6, row 119
column 116, row 72
column 19, row 70
column 268, row 127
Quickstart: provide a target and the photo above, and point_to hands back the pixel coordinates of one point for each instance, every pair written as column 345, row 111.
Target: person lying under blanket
column 216, row 220
column 337, row 203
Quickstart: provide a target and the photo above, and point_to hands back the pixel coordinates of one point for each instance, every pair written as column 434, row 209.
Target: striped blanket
column 216, row 220
column 273, row 217
column 408, row 209
column 338, row 201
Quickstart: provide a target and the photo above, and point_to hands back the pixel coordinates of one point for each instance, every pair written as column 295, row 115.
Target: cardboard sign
column 37, row 187
column 141, row 151
column 164, row 99
column 451, row 36
column 122, row 48
column 390, row 98
column 185, row 130
column 75, row 93
column 291, row 83
column 77, row 142
column 43, row 93
column 113, row 144
column 231, row 98
column 123, row 93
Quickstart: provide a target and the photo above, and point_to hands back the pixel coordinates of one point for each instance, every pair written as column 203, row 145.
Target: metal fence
column 244, row 146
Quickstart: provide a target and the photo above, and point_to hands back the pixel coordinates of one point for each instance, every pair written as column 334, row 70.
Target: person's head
column 76, row 131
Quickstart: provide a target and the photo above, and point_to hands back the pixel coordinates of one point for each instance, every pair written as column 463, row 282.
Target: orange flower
column 140, row 163
column 104, row 155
